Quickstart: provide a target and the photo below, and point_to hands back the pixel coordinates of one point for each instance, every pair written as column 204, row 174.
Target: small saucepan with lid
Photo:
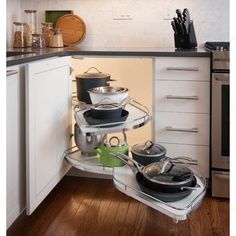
column 148, row 152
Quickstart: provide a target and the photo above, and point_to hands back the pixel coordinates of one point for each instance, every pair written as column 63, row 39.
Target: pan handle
column 126, row 160
column 197, row 187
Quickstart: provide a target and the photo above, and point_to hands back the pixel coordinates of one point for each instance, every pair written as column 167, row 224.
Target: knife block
column 186, row 41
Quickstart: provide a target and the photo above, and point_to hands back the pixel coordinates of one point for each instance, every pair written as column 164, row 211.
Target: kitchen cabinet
column 48, row 126
column 15, row 144
column 49, row 131
column 182, row 107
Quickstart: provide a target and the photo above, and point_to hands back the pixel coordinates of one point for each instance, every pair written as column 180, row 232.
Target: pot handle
column 93, row 68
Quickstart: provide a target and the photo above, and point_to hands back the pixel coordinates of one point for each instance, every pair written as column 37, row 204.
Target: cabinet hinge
column 71, row 70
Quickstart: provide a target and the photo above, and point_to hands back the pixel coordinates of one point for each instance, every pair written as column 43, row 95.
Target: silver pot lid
column 93, row 75
column 148, row 149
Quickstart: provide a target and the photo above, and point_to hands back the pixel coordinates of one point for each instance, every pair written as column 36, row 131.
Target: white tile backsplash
column 147, row 27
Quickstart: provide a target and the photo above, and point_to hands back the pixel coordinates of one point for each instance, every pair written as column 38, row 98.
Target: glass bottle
column 30, row 27
column 38, row 41
column 56, row 40
column 47, row 30
column 19, row 40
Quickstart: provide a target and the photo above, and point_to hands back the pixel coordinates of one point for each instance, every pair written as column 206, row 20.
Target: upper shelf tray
column 138, row 117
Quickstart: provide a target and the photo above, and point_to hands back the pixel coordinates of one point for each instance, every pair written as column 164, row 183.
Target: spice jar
column 30, row 27
column 38, row 41
column 19, row 35
column 47, row 30
column 56, row 40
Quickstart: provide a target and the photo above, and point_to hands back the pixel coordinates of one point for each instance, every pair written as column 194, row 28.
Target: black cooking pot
column 148, row 152
column 89, row 80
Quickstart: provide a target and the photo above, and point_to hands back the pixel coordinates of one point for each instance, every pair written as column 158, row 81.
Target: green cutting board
column 54, row 15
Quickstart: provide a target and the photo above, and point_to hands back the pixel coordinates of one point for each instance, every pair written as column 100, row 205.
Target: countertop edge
column 17, row 60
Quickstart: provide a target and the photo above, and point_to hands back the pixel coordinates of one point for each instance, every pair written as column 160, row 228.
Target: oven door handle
column 222, row 176
column 221, row 78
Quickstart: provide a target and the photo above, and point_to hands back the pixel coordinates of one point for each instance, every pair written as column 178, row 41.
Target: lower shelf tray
column 86, row 163
column 124, row 180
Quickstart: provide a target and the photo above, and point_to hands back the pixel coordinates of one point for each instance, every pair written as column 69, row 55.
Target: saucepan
column 148, row 152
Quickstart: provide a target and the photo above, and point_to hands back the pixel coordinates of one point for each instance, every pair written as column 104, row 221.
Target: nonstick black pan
column 163, row 196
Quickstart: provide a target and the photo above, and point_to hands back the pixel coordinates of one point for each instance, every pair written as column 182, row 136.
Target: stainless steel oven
column 220, row 119
column 220, row 133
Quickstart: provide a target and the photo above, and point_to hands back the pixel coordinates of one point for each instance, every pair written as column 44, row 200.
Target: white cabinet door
column 48, row 126
column 15, row 145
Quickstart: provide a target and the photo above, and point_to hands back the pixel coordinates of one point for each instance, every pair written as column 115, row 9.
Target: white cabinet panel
column 182, row 96
column 199, row 153
column 48, row 122
column 15, row 160
column 182, row 68
column 185, row 128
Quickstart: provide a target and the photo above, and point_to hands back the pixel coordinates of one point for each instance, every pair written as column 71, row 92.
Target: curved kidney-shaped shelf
column 138, row 117
column 124, row 180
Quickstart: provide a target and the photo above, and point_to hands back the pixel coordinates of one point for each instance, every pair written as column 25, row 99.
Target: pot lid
column 171, row 175
column 148, row 149
column 93, row 75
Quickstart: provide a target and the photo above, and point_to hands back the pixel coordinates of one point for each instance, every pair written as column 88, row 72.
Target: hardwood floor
column 87, row 207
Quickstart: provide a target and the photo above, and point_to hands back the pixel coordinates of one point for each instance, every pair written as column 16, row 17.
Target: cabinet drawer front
column 182, row 96
column 182, row 128
column 220, row 184
column 199, row 153
column 182, row 68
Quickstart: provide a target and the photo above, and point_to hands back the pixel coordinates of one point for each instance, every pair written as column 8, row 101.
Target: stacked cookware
column 102, row 104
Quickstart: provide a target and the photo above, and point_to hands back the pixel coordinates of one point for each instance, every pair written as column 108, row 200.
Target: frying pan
column 163, row 176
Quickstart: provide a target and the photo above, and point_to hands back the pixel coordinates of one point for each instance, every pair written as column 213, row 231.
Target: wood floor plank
column 93, row 207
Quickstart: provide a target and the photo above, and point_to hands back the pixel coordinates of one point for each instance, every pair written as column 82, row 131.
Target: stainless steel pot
column 87, row 144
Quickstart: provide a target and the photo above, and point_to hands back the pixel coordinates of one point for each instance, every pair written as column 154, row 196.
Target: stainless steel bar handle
column 222, row 78
column 183, row 68
column 191, row 130
column 11, row 72
column 222, row 176
column 182, row 97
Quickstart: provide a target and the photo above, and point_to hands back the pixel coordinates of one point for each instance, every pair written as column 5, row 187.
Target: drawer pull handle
column 183, row 68
column 182, row 97
column 192, row 130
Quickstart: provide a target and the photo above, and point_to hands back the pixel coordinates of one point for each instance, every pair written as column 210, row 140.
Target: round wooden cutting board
column 73, row 29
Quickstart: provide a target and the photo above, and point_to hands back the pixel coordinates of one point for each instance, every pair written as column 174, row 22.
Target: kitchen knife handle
column 182, row 97
column 191, row 130
column 183, row 68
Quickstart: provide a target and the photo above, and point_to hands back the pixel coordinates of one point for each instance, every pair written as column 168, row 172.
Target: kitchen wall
column 147, row 26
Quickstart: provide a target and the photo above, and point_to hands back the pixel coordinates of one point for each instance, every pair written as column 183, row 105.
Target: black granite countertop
column 30, row 55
